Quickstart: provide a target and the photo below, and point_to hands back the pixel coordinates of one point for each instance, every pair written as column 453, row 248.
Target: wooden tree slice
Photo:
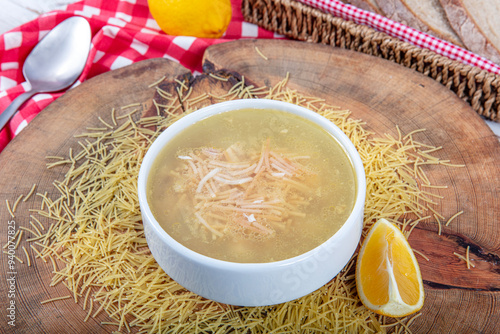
column 381, row 93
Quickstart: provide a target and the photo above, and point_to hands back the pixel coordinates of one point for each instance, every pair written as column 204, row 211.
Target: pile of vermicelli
column 95, row 241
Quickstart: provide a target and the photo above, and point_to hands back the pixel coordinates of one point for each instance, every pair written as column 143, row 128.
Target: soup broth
column 252, row 186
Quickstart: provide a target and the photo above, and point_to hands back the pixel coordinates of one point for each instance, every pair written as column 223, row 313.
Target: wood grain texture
column 380, row 92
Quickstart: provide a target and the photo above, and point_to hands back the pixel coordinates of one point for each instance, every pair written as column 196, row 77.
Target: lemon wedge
column 388, row 277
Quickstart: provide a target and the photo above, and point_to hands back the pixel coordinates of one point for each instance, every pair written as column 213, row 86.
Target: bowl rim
column 178, row 126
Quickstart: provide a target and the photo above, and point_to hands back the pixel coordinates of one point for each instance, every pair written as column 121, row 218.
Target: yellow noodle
column 54, row 265
column 461, row 257
column 156, row 83
column 113, row 116
column 36, row 220
column 467, row 257
column 182, row 84
column 117, row 118
column 131, row 105
column 18, row 239
column 105, row 123
column 54, row 299
column 14, row 207
column 36, row 228
column 58, row 163
column 163, row 93
column 421, row 254
column 90, row 311
column 453, row 217
column 198, row 99
column 32, row 190
column 260, row 53
column 9, row 209
column 439, row 223
column 434, row 186
column 97, row 129
column 38, row 253
column 27, row 257
column 218, row 77
column 445, row 163
column 28, row 230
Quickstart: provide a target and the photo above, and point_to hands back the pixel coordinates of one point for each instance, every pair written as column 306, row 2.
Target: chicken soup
column 252, row 186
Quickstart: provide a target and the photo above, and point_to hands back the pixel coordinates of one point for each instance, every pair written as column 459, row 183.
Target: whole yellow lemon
column 198, row 18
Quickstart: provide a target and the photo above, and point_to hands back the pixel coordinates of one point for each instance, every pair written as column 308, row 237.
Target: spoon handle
column 7, row 114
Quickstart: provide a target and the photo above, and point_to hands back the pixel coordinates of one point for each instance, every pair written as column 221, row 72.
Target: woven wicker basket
column 479, row 88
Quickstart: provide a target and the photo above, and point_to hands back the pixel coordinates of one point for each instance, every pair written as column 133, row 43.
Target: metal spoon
column 55, row 63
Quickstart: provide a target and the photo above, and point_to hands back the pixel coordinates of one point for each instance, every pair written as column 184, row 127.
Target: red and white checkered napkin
column 123, row 32
column 402, row 32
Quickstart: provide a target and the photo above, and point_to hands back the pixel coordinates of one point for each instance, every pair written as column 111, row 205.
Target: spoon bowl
column 55, row 63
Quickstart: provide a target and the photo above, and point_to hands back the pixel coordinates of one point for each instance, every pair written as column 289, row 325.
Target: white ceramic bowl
column 253, row 284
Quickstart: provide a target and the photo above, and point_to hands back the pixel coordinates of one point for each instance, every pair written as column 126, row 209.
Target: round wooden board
column 381, row 93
